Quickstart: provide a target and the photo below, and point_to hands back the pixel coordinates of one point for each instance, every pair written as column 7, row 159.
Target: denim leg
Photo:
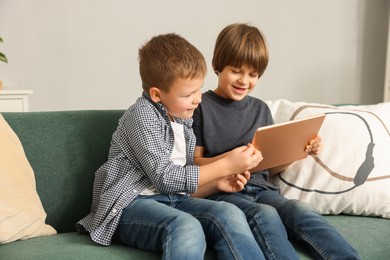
column 157, row 227
column 225, row 227
column 305, row 225
column 265, row 224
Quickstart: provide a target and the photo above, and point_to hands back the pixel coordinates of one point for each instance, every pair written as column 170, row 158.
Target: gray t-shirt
column 221, row 125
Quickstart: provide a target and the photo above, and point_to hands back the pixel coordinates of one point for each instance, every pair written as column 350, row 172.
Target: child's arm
column 313, row 148
column 236, row 161
column 228, row 183
column 232, row 183
column 200, row 160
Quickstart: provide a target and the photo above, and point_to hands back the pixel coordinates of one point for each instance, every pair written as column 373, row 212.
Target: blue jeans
column 179, row 227
column 274, row 218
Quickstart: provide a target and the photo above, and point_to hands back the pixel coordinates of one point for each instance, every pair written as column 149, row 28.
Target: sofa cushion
column 371, row 245
column 73, row 245
column 351, row 175
column 21, row 213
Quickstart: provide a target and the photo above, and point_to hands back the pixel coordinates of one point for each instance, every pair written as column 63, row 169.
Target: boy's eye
column 187, row 95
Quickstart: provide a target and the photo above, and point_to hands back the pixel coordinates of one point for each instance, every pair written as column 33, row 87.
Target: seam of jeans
column 260, row 233
column 224, row 234
column 168, row 240
column 305, row 237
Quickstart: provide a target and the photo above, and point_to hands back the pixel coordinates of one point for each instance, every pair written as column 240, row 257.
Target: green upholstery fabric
column 69, row 246
column 66, row 148
column 369, row 235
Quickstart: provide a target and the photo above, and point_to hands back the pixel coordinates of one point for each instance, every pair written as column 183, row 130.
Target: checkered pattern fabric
column 139, row 157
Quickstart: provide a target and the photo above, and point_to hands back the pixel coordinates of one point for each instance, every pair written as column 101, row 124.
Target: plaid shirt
column 139, row 157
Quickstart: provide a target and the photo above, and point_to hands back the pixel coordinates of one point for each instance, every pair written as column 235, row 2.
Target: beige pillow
column 21, row 212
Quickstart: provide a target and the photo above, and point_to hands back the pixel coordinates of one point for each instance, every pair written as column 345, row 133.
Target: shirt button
column 134, row 191
column 114, row 210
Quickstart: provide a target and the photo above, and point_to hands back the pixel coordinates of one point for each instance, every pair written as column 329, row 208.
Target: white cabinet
column 14, row 100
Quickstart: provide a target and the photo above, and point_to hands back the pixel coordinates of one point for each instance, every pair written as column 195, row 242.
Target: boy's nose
column 243, row 80
column 198, row 98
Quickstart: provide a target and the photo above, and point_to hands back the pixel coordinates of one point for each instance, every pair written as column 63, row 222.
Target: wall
column 82, row 54
column 386, row 94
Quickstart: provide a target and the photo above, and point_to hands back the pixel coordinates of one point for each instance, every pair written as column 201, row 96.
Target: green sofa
column 66, row 148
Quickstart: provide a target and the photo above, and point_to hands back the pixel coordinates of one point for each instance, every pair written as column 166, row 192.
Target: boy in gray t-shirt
column 227, row 118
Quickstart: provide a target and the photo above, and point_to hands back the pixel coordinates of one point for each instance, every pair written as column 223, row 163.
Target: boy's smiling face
column 183, row 97
column 235, row 83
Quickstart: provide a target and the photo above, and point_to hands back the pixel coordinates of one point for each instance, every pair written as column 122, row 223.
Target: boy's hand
column 243, row 158
column 233, row 183
column 314, row 147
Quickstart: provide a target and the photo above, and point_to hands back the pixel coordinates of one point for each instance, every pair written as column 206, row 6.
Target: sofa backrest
column 65, row 149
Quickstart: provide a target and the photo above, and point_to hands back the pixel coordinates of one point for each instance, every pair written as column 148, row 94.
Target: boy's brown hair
column 165, row 58
column 240, row 44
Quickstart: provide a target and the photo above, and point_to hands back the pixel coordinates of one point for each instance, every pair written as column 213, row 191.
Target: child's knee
column 223, row 208
column 186, row 227
column 184, row 238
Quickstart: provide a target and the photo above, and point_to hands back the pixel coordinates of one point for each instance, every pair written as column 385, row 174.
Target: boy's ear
column 215, row 71
column 155, row 94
